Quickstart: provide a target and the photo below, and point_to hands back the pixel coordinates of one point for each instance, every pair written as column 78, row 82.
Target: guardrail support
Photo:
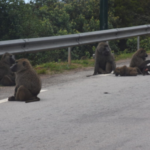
column 138, row 42
column 69, row 55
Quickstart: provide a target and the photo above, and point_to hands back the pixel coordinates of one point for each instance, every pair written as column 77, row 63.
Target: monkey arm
column 96, row 68
column 110, row 67
column 101, row 71
column 111, row 63
column 144, row 64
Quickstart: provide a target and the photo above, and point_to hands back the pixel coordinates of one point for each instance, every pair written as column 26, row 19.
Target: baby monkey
column 127, row 71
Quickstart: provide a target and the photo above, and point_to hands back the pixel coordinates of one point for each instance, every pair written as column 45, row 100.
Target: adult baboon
column 104, row 59
column 139, row 59
column 126, row 71
column 7, row 77
column 28, row 83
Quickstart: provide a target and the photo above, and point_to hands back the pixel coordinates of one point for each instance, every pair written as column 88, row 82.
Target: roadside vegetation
column 43, row 18
column 59, row 67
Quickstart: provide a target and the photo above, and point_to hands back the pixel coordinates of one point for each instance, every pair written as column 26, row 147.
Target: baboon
column 7, row 77
column 126, row 71
column 104, row 59
column 145, row 70
column 28, row 83
column 139, row 59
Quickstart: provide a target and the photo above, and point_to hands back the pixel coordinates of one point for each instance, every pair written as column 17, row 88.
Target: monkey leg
column 109, row 67
column 144, row 64
column 33, row 99
column 12, row 98
column 23, row 94
column 6, row 81
column 96, row 69
column 101, row 71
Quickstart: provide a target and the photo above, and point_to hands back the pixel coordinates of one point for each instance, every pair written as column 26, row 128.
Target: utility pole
column 103, row 14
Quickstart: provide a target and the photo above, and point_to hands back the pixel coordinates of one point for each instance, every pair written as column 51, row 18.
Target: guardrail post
column 69, row 55
column 138, row 42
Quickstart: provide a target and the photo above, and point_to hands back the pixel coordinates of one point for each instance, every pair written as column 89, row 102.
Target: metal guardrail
column 55, row 42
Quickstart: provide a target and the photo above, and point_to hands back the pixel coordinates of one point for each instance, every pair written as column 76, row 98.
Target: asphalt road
column 76, row 112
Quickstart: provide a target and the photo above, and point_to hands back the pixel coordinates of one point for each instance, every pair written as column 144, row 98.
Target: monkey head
column 8, row 59
column 20, row 65
column 104, row 49
column 142, row 53
column 117, row 71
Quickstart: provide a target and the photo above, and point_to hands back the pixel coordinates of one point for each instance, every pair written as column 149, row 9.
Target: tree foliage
column 41, row 18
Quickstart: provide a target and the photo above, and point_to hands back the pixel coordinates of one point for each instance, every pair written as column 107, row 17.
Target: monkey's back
column 30, row 80
column 136, row 59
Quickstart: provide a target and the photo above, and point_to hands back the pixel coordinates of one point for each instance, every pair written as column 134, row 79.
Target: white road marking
column 103, row 75
column 44, row 90
column 6, row 99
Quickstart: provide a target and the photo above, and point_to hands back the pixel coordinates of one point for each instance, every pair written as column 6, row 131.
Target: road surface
column 76, row 112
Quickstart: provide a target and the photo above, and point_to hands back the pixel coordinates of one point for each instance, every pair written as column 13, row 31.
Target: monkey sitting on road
column 104, row 59
column 126, row 71
column 139, row 59
column 28, row 83
column 7, row 77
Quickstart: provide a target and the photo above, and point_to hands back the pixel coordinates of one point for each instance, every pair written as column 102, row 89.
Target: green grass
column 59, row 67
column 123, row 56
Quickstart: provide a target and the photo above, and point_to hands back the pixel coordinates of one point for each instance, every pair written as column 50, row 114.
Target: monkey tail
column 89, row 75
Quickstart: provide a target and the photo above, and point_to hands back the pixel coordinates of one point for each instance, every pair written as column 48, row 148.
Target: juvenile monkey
column 28, row 83
column 139, row 59
column 126, row 71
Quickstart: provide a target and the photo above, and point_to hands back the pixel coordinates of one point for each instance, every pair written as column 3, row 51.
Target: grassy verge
column 59, row 67
column 123, row 56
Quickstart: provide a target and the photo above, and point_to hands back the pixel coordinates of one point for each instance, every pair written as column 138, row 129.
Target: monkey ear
column 24, row 63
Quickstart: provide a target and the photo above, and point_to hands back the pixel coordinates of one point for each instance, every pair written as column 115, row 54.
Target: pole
column 69, row 55
column 103, row 14
column 138, row 42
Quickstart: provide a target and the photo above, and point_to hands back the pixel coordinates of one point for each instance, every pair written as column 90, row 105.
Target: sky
column 26, row 1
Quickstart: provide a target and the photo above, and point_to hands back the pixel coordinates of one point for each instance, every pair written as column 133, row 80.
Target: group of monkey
column 21, row 74
column 28, row 84
column 105, row 62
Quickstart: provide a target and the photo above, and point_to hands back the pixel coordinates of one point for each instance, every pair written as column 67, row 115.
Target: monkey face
column 143, row 54
column 9, row 58
column 18, row 66
column 106, row 50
